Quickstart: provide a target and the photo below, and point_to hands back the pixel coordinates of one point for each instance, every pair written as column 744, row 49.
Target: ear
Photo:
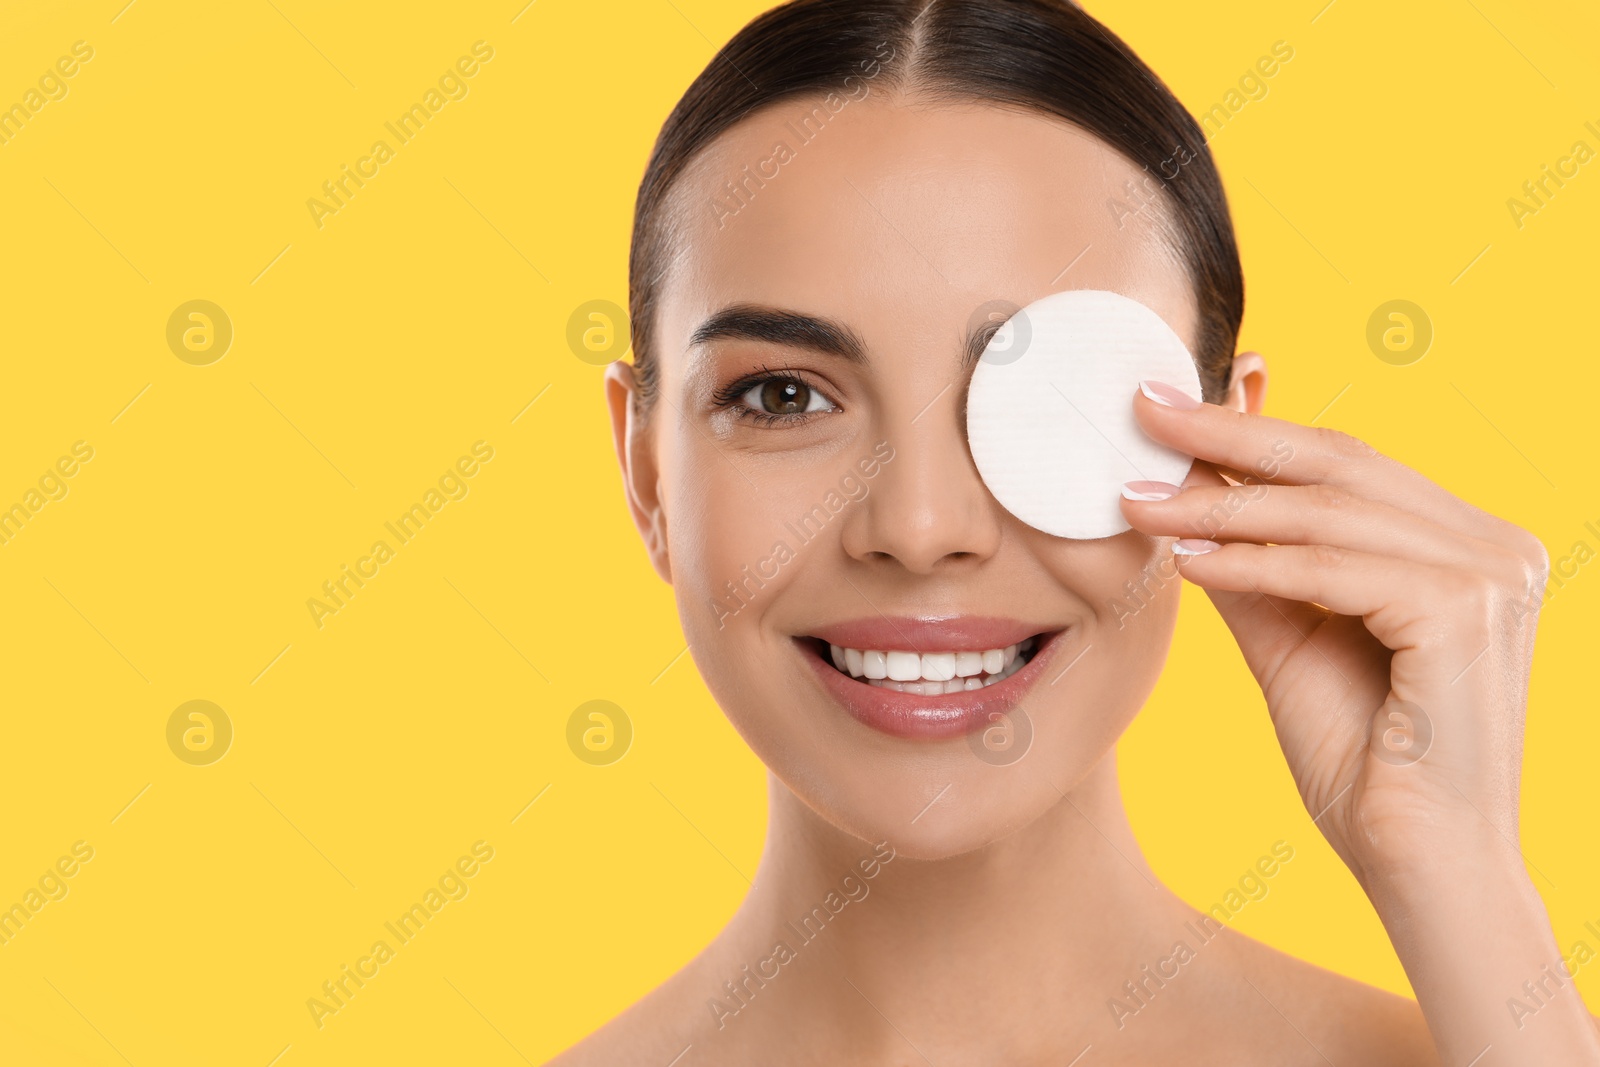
column 636, row 455
column 1247, row 386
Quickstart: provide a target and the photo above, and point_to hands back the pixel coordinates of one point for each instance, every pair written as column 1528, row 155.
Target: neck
column 1056, row 917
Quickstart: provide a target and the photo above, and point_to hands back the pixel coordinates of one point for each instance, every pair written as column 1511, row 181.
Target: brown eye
column 785, row 396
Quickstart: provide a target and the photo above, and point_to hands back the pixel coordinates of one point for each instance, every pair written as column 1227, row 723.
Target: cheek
column 1131, row 585
column 739, row 559
column 1130, row 590
column 733, row 536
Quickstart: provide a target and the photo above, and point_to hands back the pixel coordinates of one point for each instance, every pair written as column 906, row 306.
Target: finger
column 1403, row 604
column 1306, row 515
column 1267, row 629
column 1276, row 450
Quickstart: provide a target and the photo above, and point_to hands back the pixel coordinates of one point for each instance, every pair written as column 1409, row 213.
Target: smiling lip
column 915, row 716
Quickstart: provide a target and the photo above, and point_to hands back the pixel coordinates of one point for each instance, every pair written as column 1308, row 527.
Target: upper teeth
column 930, row 672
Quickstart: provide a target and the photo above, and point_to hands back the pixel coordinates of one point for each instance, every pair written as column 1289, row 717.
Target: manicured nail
column 1149, row 490
column 1193, row 546
column 1168, row 396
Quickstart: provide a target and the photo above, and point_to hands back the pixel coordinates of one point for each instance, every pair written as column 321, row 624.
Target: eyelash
column 732, row 396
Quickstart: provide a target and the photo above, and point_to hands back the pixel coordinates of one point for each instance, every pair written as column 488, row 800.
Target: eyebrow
column 753, row 322
column 780, row 326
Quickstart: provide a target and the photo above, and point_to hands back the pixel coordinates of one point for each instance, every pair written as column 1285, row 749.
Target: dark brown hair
column 1038, row 55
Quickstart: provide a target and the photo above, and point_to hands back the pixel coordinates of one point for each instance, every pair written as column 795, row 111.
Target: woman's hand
column 1389, row 624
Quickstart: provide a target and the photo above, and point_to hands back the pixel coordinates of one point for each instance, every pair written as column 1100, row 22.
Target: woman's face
column 808, row 483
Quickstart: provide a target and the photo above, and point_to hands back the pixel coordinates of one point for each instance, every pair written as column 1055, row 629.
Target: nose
column 927, row 509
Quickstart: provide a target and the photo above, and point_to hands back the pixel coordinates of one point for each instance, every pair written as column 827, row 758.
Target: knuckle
column 1343, row 446
column 1328, row 557
column 1533, row 556
column 1332, row 497
column 1522, row 558
column 1522, row 573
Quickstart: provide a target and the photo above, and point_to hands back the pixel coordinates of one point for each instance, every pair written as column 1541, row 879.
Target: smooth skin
column 1017, row 904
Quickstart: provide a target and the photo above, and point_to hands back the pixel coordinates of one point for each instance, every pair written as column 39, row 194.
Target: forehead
column 902, row 218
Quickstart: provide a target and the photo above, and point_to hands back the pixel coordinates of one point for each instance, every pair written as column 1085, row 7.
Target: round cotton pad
column 1050, row 409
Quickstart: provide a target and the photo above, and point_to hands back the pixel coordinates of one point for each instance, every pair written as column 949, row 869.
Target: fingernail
column 1193, row 546
column 1149, row 490
column 1168, row 396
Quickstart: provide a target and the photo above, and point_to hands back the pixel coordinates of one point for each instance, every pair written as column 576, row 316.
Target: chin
column 934, row 801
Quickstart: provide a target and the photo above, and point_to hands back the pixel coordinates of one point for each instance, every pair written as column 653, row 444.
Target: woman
column 830, row 217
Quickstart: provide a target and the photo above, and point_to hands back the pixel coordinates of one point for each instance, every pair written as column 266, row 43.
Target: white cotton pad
column 1050, row 409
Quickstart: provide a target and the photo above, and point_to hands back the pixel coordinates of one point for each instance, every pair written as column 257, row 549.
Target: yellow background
column 370, row 353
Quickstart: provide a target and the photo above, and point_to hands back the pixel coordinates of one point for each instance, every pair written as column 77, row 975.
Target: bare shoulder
column 666, row 1023
column 644, row 1033
column 1336, row 1017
